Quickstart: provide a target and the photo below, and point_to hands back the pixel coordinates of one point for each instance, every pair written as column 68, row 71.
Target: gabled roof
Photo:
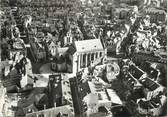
column 88, row 45
column 52, row 43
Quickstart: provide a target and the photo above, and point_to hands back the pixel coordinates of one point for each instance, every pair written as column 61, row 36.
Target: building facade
column 87, row 51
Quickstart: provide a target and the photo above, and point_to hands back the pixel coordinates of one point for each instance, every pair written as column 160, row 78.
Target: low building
column 156, row 15
column 149, row 95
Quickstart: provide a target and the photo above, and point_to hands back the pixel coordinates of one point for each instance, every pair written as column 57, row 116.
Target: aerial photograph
column 83, row 58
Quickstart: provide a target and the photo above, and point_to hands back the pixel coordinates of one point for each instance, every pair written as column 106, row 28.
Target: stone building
column 86, row 52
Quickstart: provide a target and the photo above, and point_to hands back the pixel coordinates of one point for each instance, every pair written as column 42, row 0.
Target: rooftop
column 88, row 45
column 155, row 10
column 63, row 50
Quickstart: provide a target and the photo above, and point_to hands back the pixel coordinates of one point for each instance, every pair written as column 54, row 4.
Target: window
column 88, row 58
column 96, row 54
column 84, row 60
column 100, row 54
column 92, row 56
column 68, row 40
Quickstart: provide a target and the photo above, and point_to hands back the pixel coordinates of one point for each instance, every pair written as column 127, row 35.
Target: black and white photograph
column 83, row 58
